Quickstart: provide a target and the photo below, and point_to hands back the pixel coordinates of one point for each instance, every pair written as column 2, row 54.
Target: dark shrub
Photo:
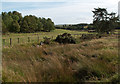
column 65, row 38
column 47, row 40
column 90, row 36
column 115, row 79
column 98, row 36
column 73, row 59
column 85, row 73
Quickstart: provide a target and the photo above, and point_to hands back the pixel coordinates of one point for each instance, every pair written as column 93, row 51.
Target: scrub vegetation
column 95, row 60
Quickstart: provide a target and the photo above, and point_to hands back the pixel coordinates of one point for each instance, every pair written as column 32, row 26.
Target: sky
column 119, row 9
column 60, row 11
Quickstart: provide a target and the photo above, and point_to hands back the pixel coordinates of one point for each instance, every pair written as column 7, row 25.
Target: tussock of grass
column 88, row 61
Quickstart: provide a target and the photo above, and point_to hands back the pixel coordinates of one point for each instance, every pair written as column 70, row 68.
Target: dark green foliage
column 48, row 25
column 14, row 22
column 90, row 36
column 15, row 27
column 73, row 59
column 40, row 25
column 47, row 40
column 82, row 26
column 30, row 24
column 85, row 73
column 65, row 38
column 15, row 17
column 7, row 20
column 4, row 29
column 24, row 27
column 115, row 79
column 103, row 21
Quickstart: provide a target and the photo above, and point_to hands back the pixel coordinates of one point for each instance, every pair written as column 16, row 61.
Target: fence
column 9, row 41
column 22, row 40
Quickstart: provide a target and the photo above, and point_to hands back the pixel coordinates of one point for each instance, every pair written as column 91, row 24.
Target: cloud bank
column 61, row 11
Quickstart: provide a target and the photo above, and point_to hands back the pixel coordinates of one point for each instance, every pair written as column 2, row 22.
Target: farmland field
column 23, row 37
column 60, row 42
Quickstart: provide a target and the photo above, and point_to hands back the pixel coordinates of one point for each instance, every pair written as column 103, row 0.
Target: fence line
column 29, row 40
column 13, row 41
column 18, row 40
column 3, row 42
column 10, row 41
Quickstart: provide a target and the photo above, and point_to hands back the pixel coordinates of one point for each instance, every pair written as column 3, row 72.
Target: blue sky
column 60, row 11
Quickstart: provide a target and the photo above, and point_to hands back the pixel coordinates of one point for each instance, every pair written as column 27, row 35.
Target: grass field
column 34, row 36
column 95, row 60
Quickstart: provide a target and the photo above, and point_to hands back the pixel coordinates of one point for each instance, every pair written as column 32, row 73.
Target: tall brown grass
column 94, row 60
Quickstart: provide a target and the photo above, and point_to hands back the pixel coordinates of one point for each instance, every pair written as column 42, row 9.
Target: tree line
column 81, row 26
column 14, row 22
column 103, row 22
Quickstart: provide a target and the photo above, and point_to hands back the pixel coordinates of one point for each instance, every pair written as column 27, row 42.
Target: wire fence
column 30, row 39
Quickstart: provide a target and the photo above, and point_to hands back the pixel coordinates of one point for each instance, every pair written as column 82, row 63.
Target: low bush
column 47, row 40
column 65, row 38
column 86, row 73
column 90, row 36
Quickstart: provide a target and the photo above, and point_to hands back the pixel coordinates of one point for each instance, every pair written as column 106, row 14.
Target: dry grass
column 94, row 60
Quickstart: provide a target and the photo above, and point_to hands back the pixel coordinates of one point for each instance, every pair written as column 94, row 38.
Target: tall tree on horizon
column 104, row 21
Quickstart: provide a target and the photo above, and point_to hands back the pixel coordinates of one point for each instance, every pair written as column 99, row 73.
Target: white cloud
column 108, row 1
column 74, row 11
column 69, row 13
column 33, row 0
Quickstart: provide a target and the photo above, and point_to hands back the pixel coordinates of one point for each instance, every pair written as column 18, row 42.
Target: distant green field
column 23, row 37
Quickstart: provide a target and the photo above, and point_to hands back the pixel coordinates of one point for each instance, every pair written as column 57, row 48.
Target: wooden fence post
column 52, row 37
column 3, row 42
column 38, row 38
column 10, row 41
column 28, row 39
column 18, row 40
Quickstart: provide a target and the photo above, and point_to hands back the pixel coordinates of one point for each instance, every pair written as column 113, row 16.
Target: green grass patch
column 23, row 37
